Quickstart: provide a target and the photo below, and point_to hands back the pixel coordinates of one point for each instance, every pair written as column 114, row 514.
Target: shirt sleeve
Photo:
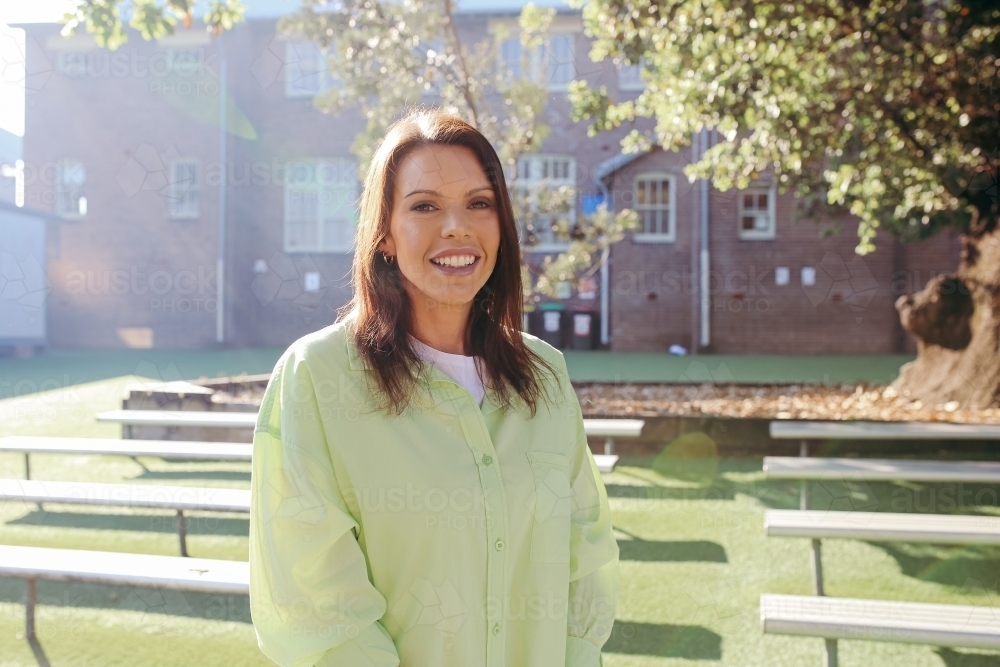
column 311, row 599
column 593, row 574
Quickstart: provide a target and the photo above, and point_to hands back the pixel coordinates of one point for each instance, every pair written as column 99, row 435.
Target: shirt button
column 487, row 459
column 499, row 545
column 496, row 629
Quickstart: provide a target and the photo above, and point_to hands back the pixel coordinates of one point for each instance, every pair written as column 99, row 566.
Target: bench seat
column 877, row 430
column 105, row 567
column 881, row 470
column 167, row 449
column 881, row 620
column 186, row 498
column 884, row 526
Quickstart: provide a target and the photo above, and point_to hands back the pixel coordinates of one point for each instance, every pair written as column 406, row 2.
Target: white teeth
column 455, row 260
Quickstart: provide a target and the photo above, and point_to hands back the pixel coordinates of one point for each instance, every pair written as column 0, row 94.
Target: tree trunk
column 956, row 320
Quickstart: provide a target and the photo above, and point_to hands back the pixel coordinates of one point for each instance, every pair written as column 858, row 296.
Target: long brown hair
column 380, row 308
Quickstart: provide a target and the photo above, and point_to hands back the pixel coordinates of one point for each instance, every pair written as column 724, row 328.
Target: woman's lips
column 458, row 270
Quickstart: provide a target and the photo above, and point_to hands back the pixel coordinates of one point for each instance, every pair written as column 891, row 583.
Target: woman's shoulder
column 546, row 351
column 328, row 348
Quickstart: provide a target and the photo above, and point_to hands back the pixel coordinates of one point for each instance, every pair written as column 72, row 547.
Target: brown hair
column 380, row 308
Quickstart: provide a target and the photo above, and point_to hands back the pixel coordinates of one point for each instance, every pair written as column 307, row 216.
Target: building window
column 756, row 212
column 629, row 77
column 553, row 63
column 72, row 64
column 320, row 205
column 538, row 178
column 307, row 71
column 70, row 179
column 655, row 204
column 185, row 189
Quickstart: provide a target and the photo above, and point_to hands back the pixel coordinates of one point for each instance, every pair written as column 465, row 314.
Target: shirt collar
column 434, row 375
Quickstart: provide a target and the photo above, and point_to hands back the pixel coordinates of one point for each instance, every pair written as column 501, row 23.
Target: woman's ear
column 387, row 245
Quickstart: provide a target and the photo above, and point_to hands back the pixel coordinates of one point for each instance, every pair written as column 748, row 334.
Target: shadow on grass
column 151, row 602
column 196, row 525
column 689, row 642
column 975, row 567
column 672, row 552
column 953, row 658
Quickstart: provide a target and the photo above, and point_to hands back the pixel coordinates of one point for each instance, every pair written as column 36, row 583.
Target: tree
column 152, row 18
column 389, row 55
column 889, row 110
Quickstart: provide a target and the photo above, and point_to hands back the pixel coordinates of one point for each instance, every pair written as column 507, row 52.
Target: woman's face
column 444, row 229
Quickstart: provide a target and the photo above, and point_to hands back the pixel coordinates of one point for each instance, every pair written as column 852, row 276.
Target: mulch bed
column 861, row 401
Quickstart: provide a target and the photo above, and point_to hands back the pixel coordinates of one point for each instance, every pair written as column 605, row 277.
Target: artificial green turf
column 59, row 369
column 694, row 561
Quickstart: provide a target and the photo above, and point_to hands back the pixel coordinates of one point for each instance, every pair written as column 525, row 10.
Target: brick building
column 153, row 171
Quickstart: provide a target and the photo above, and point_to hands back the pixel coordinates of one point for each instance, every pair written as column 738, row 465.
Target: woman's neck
column 441, row 327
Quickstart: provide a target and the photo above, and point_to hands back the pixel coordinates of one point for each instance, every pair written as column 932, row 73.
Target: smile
column 455, row 261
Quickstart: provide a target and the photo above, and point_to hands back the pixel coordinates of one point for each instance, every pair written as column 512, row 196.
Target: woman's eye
column 487, row 204
column 418, row 207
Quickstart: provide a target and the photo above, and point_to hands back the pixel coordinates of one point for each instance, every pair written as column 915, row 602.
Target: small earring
column 389, row 259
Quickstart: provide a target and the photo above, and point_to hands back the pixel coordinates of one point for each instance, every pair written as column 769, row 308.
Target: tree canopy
column 888, row 109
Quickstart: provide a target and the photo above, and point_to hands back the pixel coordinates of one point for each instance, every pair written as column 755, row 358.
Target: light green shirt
column 455, row 535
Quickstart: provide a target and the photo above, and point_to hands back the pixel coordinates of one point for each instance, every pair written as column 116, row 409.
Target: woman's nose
column 455, row 222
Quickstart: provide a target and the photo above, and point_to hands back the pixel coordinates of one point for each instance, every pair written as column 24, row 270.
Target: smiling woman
column 422, row 489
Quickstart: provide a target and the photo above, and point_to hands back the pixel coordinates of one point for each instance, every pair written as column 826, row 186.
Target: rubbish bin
column 552, row 324
column 584, row 320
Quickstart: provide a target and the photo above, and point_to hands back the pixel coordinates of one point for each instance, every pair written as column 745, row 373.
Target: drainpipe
column 220, row 260
column 602, row 172
column 704, row 254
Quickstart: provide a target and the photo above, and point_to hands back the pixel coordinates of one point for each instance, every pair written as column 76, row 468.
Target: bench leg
column 182, row 532
column 831, row 652
column 609, row 446
column 29, row 610
column 817, row 567
column 804, row 484
column 27, row 466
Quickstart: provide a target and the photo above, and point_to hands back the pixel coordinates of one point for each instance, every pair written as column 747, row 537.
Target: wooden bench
column 166, row 449
column 122, row 569
column 881, row 470
column 833, row 618
column 884, row 526
column 606, row 428
column 178, row 498
column 957, row 626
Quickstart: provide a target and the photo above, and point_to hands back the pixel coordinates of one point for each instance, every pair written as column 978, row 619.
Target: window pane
column 762, row 201
column 560, row 60
column 748, row 201
column 640, row 193
column 665, row 193
column 302, row 234
column 748, row 222
column 510, row 51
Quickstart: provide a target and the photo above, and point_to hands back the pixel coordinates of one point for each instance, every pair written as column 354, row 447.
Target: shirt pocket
column 553, row 499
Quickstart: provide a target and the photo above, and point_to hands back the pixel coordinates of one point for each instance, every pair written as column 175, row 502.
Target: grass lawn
column 694, row 560
column 61, row 369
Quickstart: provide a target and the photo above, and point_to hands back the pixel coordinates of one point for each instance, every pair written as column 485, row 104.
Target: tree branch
column 457, row 46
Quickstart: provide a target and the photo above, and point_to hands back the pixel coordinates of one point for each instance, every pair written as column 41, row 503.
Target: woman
column 423, row 493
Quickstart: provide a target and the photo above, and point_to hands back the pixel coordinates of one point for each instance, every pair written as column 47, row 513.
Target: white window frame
column 331, row 194
column 184, row 193
column 65, row 192
column 630, row 77
column 534, row 162
column 303, row 59
column 757, row 234
column 670, row 210
column 541, row 57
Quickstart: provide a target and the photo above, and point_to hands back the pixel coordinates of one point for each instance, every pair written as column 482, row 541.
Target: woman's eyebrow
column 438, row 194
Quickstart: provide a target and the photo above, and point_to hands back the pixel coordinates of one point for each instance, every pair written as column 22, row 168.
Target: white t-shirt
column 458, row 367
